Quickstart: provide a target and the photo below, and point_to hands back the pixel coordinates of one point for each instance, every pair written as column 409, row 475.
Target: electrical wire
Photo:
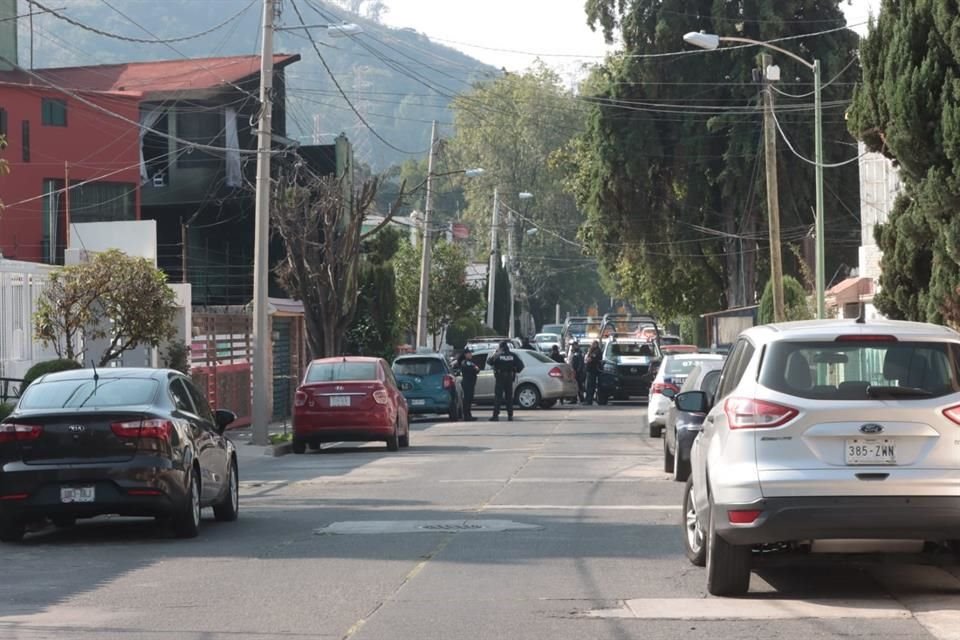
column 822, row 87
column 789, row 144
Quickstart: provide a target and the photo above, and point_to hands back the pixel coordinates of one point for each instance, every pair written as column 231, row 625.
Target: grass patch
column 280, row 438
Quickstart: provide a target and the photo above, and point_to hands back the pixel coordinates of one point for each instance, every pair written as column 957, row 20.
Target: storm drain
column 367, row 527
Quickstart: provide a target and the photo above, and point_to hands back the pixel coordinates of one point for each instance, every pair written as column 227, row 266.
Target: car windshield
column 342, row 371
column 630, row 349
column 681, row 365
column 418, row 367
column 861, row 370
column 89, row 394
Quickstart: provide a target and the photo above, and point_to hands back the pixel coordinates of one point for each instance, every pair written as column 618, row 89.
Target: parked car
column 542, row 383
column 552, row 328
column 671, row 349
column 824, row 430
column 544, row 342
column 626, row 369
column 671, row 374
column 681, row 428
column 132, row 442
column 428, row 384
column 349, row 398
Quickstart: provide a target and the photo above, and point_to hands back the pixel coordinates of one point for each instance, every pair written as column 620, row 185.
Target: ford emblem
column 871, row 428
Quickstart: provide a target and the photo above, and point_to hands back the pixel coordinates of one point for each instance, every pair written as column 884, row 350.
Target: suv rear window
column 418, row 367
column 342, row 371
column 74, row 394
column 861, row 370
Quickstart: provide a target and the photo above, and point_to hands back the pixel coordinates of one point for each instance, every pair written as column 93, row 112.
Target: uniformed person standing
column 468, row 374
column 506, row 365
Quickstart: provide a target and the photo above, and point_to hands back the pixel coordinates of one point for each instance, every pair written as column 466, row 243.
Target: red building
column 90, row 136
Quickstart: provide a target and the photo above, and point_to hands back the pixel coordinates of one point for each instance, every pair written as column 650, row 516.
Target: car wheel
column 681, row 468
column 63, row 522
column 668, row 458
column 393, row 442
column 655, row 430
column 528, row 396
column 229, row 508
column 728, row 565
column 314, row 445
column 12, row 531
column 405, row 439
column 693, row 539
column 602, row 398
column 186, row 524
column 299, row 446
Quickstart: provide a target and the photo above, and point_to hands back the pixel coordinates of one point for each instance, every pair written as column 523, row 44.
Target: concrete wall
column 879, row 187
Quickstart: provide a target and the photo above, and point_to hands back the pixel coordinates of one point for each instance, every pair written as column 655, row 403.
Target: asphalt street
column 560, row 525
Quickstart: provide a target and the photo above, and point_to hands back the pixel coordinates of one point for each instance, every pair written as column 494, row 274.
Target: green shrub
column 48, row 366
column 795, row 305
column 5, row 410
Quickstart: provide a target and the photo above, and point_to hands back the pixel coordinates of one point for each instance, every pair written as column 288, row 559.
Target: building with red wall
column 88, row 137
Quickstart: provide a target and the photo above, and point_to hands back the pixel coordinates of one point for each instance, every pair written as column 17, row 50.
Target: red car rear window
column 342, row 371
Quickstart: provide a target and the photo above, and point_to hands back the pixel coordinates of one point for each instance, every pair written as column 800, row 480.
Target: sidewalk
column 243, row 439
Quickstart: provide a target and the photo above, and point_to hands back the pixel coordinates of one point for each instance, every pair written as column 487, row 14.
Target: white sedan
column 541, row 383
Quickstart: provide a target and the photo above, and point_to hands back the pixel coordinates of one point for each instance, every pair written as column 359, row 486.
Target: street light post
column 426, row 255
column 712, row 41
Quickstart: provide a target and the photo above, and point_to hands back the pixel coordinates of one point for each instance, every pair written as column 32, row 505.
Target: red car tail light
column 144, row 492
column 743, row 516
column 15, row 496
column 152, row 428
column 660, row 387
column 953, row 414
column 866, row 338
column 381, row 396
column 449, row 382
column 300, row 399
column 14, row 432
column 556, row 372
column 747, row 413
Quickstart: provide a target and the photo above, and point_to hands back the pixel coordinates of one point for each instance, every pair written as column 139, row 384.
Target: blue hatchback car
column 428, row 384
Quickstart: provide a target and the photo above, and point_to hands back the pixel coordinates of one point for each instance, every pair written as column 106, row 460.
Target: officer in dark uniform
column 468, row 374
column 506, row 365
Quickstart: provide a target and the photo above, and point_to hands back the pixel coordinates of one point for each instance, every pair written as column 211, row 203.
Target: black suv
column 629, row 367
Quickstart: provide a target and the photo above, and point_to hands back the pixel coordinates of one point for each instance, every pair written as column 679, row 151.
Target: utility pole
column 260, row 373
column 511, row 333
column 427, row 246
column 818, row 145
column 492, row 271
column 773, row 196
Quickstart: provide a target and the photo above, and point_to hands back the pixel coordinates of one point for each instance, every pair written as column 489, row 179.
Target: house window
column 53, row 112
column 3, row 121
column 200, row 127
column 25, row 140
column 90, row 202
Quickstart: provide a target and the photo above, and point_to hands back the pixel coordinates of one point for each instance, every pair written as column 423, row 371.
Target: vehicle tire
column 405, row 439
column 668, row 458
column 728, row 565
column 229, row 508
column 63, row 522
column 602, row 398
column 548, row 404
column 655, row 430
column 186, row 523
column 681, row 468
column 527, row 396
column 299, row 446
column 393, row 442
column 314, row 445
column 455, row 412
column 12, row 531
column 694, row 542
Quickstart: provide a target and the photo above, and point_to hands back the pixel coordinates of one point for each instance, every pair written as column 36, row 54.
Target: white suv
column 825, row 430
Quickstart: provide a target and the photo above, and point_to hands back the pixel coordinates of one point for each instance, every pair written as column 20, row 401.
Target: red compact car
column 350, row 398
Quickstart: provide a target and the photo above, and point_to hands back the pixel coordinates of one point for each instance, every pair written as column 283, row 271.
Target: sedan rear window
column 418, row 367
column 342, row 371
column 89, row 394
column 681, row 365
column 865, row 370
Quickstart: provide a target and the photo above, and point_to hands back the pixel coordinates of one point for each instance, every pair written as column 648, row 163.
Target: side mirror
column 692, row 402
column 669, row 393
column 224, row 419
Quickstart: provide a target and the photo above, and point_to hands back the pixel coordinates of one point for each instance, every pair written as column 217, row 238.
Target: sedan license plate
column 77, row 494
column 418, row 402
column 869, row 451
column 339, row 401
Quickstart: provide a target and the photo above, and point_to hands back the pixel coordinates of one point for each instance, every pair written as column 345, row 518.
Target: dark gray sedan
column 682, row 427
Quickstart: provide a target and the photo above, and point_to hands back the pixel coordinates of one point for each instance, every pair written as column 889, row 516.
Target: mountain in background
column 397, row 79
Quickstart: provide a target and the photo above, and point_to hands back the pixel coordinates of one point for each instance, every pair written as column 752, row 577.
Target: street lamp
column 712, row 41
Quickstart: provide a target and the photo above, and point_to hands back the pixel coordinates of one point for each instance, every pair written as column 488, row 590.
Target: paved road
column 558, row 526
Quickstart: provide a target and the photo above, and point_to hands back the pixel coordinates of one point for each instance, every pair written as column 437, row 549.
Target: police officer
column 468, row 374
column 506, row 365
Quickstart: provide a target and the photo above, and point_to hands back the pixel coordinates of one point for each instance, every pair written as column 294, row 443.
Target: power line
column 804, row 158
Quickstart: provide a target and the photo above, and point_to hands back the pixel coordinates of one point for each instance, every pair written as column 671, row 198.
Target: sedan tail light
column 13, row 432
column 449, row 382
column 381, row 396
column 300, row 399
column 556, row 372
column 660, row 387
column 153, row 428
column 953, row 414
column 747, row 413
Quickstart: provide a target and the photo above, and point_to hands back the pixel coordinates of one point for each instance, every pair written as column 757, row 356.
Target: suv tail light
column 13, row 432
column 953, row 414
column 152, row 428
column 865, row 338
column 660, row 387
column 556, row 372
column 449, row 382
column 300, row 398
column 381, row 396
column 747, row 413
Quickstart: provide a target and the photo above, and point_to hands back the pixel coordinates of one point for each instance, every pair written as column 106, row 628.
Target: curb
column 278, row 450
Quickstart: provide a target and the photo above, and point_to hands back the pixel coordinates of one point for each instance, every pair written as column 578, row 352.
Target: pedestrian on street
column 525, row 343
column 506, row 365
column 575, row 360
column 594, row 363
column 555, row 354
column 468, row 374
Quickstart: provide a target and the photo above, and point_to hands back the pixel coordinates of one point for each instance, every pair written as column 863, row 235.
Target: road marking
column 585, row 507
column 375, row 527
column 752, row 609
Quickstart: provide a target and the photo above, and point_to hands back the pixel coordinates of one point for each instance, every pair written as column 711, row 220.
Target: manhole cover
column 366, row 527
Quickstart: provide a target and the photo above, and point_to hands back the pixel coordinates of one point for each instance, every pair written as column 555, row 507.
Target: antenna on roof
column 96, row 376
column 862, row 318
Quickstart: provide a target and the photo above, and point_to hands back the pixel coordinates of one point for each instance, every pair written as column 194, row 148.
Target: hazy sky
column 555, row 29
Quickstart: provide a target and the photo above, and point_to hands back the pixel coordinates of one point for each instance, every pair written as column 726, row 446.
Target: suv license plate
column 339, row 401
column 418, row 402
column 77, row 494
column 869, row 451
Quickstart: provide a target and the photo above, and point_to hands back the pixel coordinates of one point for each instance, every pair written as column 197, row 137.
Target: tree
column 114, row 296
column 450, row 297
column 669, row 171
column 908, row 108
column 374, row 329
column 320, row 220
column 795, row 304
